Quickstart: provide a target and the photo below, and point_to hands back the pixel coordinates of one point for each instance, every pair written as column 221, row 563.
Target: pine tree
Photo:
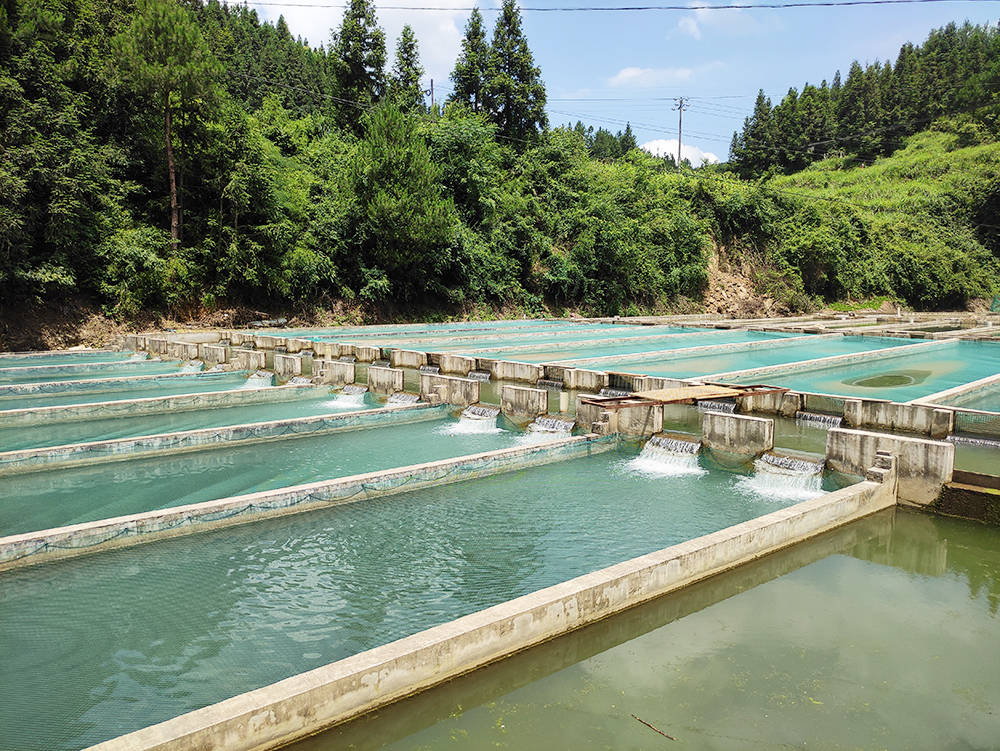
column 404, row 87
column 358, row 50
column 470, row 69
column 513, row 94
column 163, row 54
column 626, row 140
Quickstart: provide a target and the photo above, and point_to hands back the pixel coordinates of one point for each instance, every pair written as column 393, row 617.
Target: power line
column 617, row 9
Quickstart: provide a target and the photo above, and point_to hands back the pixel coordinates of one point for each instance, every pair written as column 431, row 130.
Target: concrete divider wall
column 455, row 364
column 286, row 366
column 183, row 350
column 329, row 350
column 458, row 391
column 923, row 465
column 886, row 415
column 523, row 403
column 124, row 531
column 213, row 353
column 507, row 370
column 303, row 704
column 583, row 380
column 156, row 345
column 249, row 359
column 407, row 358
column 335, row 372
column 385, row 380
column 102, row 386
column 148, row 406
column 643, row 420
column 738, row 434
column 123, row 449
column 587, row 414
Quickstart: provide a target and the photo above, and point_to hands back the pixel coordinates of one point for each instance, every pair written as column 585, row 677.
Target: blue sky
column 719, row 58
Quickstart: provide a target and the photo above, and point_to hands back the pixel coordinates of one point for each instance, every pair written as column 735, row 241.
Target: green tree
column 164, row 55
column 470, row 69
column 404, row 87
column 359, row 60
column 626, row 140
column 513, row 94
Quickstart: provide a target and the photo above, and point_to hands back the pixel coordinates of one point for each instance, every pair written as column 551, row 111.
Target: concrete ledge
column 455, row 364
column 123, row 449
column 385, row 381
column 458, row 391
column 287, row 366
column 123, row 531
column 407, row 358
column 739, row 434
column 923, row 466
column 112, row 368
column 148, row 406
column 507, row 370
column 213, row 353
column 182, row 350
column 249, row 359
column 306, row 703
column 335, row 372
column 520, row 402
column 911, row 418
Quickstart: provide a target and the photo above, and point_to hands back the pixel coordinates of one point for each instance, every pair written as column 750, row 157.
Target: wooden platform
column 669, row 396
column 681, row 395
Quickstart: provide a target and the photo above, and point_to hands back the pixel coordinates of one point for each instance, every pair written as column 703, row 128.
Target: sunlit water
column 90, row 372
column 879, row 635
column 69, row 358
column 107, row 643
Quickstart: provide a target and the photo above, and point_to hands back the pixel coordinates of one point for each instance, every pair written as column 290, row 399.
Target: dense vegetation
column 157, row 154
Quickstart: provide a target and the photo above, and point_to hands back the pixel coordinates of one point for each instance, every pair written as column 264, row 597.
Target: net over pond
column 91, row 371
column 836, row 643
column 59, row 497
column 104, row 644
column 34, row 359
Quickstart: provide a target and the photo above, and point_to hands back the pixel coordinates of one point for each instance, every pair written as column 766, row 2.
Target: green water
column 901, row 378
column 559, row 353
column 986, row 398
column 319, row 401
column 58, row 497
column 89, row 371
column 880, row 635
column 107, row 643
column 195, row 383
column 72, row 358
column 700, row 365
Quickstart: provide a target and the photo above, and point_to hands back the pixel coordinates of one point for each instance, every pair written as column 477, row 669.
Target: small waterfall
column 784, row 477
column 351, row 396
column 614, row 392
column 664, row 456
column 353, row 389
column 818, row 420
column 475, row 419
column 552, row 425
column 970, row 440
column 483, row 376
column 709, row 405
column 299, row 381
column 217, row 368
column 138, row 356
column 259, row 380
column 381, row 363
column 192, row 366
column 401, row 397
column 545, row 383
column 430, row 369
column 347, row 358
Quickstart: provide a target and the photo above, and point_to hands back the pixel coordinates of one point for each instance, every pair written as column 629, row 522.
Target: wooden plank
column 688, row 392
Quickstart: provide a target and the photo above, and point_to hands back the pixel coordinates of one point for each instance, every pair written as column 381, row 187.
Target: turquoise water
column 89, row 371
column 192, row 384
column 107, row 643
column 58, row 497
column 609, row 348
column 312, row 402
column 881, row 635
column 332, row 331
column 72, row 358
column 901, row 378
column 699, row 365
column 986, row 398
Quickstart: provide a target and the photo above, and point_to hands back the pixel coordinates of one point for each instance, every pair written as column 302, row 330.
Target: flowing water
column 708, row 405
column 664, row 456
column 835, row 643
column 782, row 477
column 102, row 644
column 818, row 419
column 476, row 419
column 58, row 497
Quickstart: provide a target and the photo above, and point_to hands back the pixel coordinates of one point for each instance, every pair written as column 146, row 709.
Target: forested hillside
column 162, row 156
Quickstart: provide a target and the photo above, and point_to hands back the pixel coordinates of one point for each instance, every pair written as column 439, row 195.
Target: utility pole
column 680, row 103
column 432, row 95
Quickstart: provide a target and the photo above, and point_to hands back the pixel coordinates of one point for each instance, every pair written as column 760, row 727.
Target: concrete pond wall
column 740, row 434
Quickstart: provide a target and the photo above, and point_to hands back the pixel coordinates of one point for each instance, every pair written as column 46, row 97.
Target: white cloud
column 732, row 21
column 689, row 25
column 636, row 77
column 668, row 147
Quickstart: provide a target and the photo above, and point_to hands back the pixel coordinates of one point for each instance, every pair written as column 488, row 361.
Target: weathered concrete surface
column 303, row 704
column 293, row 345
column 328, row 350
column 641, row 421
column 507, row 370
column 923, row 465
column 911, row 418
column 407, row 358
column 249, row 359
column 587, row 414
column 156, row 345
column 523, row 403
column 182, row 350
column 212, row 353
column 458, row 391
column 772, row 403
column 124, row 449
column 455, row 364
column 585, row 380
column 286, row 366
column 739, row 434
column 969, row 502
column 125, row 531
column 385, row 381
column 135, row 342
column 335, row 372
column 365, row 353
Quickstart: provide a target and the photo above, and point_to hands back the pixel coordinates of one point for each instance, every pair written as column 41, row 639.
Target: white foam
column 469, row 426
